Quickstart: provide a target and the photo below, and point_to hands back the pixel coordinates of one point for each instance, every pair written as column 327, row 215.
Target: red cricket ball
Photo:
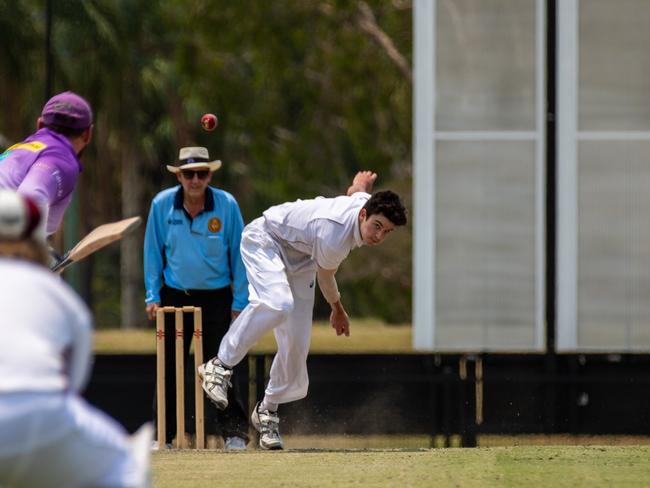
column 209, row 122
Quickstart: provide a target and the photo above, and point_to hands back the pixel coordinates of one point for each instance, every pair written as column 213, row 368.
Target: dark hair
column 65, row 131
column 388, row 204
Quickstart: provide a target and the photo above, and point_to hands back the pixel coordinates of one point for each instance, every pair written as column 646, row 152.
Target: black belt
column 198, row 293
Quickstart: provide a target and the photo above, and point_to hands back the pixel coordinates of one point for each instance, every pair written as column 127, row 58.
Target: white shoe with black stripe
column 215, row 381
column 268, row 425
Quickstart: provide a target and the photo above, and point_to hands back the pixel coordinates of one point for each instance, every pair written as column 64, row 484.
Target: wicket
column 180, row 376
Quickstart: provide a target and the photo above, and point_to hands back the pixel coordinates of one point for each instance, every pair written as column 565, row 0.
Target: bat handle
column 60, row 262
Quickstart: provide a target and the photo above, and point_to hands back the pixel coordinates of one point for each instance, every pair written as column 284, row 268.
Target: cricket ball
column 209, row 122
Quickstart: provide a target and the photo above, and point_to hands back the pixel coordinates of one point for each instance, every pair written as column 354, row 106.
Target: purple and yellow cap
column 69, row 110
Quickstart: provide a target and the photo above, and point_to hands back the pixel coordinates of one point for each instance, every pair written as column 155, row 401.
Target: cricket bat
column 98, row 238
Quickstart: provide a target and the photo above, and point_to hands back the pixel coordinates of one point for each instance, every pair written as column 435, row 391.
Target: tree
column 307, row 93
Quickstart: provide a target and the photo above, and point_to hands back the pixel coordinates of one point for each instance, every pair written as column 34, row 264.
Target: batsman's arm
column 363, row 181
column 56, row 260
column 45, row 182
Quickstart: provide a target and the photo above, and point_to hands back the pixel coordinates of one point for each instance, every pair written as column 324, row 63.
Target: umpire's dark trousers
column 216, row 310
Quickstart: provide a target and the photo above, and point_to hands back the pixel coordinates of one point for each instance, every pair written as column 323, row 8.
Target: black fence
column 439, row 395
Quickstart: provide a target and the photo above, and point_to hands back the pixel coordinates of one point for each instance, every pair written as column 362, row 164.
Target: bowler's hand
column 363, row 181
column 234, row 314
column 151, row 310
column 340, row 321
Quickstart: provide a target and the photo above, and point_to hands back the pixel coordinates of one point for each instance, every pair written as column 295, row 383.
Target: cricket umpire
column 192, row 258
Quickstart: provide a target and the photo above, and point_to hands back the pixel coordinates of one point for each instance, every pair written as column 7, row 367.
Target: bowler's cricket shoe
column 216, row 381
column 268, row 425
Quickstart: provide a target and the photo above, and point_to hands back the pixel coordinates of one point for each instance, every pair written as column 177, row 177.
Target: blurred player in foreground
column 49, row 436
column 283, row 252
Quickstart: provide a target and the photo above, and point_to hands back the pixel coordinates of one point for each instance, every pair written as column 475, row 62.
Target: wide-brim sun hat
column 194, row 158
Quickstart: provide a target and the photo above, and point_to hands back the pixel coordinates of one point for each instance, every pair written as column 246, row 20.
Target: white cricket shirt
column 45, row 328
column 321, row 230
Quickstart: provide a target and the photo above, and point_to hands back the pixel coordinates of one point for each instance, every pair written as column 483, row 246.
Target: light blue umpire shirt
column 194, row 254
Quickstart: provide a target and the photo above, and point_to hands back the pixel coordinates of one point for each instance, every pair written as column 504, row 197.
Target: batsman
column 284, row 251
column 46, row 165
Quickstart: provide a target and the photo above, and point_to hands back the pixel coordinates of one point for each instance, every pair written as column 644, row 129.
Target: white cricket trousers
column 57, row 440
column 281, row 301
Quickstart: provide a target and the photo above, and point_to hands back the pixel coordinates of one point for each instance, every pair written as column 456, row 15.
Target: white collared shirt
column 321, row 230
column 46, row 331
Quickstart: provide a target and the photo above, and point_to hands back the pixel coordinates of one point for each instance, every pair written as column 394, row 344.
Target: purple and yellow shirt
column 43, row 167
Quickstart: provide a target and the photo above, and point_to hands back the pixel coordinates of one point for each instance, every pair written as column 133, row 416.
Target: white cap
column 19, row 217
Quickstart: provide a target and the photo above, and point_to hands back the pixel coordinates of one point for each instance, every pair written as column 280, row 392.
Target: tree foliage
column 307, row 93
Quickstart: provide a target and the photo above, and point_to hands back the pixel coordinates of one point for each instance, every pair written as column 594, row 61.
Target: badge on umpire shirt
column 214, row 224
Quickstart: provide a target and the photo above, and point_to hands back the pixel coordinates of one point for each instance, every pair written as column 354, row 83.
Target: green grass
column 570, row 466
column 366, row 336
